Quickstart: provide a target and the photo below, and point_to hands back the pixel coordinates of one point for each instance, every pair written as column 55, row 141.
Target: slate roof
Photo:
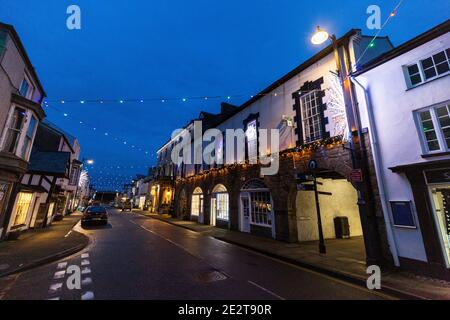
column 70, row 139
column 51, row 163
column 421, row 39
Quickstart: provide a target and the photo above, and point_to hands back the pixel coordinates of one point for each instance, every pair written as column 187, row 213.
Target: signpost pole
column 322, row 248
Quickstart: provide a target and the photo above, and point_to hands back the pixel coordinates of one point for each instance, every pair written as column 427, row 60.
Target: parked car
column 95, row 214
column 126, row 206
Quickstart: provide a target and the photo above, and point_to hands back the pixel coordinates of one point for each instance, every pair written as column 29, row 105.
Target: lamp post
column 319, row 37
column 358, row 156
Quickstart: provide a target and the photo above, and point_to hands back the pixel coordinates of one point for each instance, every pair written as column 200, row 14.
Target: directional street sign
column 312, row 164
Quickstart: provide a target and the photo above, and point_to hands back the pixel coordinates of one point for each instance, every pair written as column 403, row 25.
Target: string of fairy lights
column 96, row 129
column 107, row 180
column 162, row 100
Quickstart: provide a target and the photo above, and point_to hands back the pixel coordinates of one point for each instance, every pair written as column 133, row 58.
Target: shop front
column 430, row 184
column 438, row 182
column 11, row 169
column 256, row 209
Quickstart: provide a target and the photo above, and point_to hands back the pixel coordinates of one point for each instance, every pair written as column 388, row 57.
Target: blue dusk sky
column 141, row 49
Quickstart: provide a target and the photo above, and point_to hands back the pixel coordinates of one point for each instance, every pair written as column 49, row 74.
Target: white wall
column 271, row 108
column 342, row 202
column 393, row 105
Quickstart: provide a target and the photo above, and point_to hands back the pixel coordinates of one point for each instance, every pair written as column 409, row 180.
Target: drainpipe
column 378, row 170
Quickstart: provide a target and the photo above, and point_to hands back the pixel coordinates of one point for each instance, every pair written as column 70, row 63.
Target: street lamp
column 359, row 157
column 319, row 37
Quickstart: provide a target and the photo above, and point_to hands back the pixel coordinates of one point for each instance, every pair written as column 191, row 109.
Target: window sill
column 428, row 81
column 437, row 154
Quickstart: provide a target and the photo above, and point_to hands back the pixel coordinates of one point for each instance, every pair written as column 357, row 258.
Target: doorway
column 197, row 206
column 245, row 213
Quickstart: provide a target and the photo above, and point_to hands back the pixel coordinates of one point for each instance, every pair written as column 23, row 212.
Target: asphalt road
column 136, row 257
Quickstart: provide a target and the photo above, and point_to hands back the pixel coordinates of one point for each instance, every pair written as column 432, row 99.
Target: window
column 435, row 128
column 14, row 129
column 261, row 208
column 28, row 138
column 310, row 109
column 219, row 202
column 222, row 206
column 26, row 89
column 22, row 208
column 197, row 203
column 429, row 68
column 443, row 115
column 252, row 140
column 414, row 74
column 75, row 174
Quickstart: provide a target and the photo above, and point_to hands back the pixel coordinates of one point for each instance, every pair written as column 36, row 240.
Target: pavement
column 38, row 247
column 343, row 261
column 137, row 257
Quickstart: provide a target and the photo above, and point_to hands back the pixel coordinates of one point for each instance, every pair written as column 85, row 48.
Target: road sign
column 312, row 164
column 301, row 178
column 356, row 176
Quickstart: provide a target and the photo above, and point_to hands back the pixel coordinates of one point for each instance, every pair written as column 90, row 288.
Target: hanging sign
column 356, row 176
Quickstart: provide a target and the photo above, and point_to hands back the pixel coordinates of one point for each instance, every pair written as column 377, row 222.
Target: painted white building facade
column 404, row 100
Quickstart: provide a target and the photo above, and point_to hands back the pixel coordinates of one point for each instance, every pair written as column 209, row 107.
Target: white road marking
column 55, row 299
column 55, row 288
column 88, row 295
column 68, row 234
column 181, row 247
column 62, row 265
column 85, row 255
column 85, row 263
column 266, row 290
column 59, row 275
column 86, row 281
